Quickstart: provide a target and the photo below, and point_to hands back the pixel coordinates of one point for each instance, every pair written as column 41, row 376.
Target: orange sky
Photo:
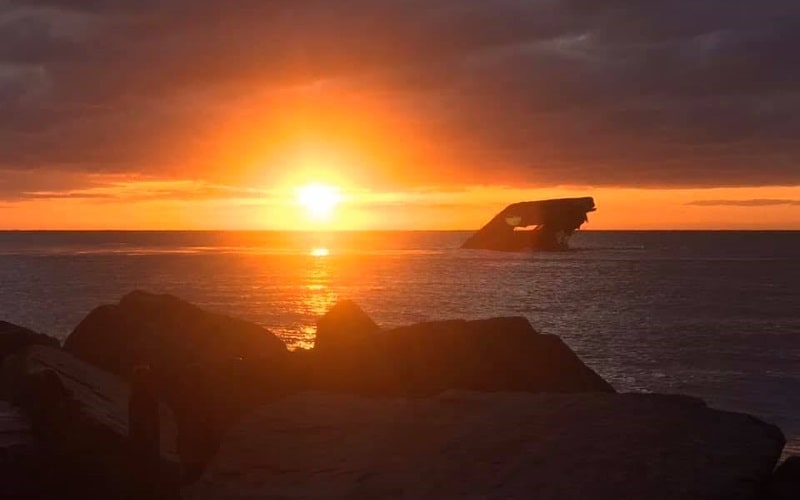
column 390, row 175
column 196, row 205
column 242, row 169
column 426, row 115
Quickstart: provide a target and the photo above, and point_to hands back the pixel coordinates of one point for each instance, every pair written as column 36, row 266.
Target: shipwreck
column 533, row 225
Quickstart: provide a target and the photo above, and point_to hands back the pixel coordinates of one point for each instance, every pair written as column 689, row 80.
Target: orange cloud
column 198, row 205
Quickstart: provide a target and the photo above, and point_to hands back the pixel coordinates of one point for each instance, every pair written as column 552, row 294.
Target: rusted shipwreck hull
column 533, row 225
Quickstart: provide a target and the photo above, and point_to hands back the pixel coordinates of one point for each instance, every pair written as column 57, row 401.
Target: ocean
column 710, row 314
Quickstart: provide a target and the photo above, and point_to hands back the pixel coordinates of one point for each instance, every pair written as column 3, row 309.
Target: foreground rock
column 344, row 329
column 14, row 337
column 497, row 354
column 167, row 334
column 209, row 368
column 785, row 483
column 21, row 463
column 492, row 446
column 80, row 413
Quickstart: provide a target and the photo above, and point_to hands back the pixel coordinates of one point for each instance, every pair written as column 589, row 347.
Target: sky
column 434, row 114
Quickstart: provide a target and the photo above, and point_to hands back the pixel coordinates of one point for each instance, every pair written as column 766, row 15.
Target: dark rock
column 344, row 329
column 498, row 354
column 81, row 413
column 492, row 446
column 14, row 338
column 144, row 432
column 347, row 354
column 21, row 463
column 785, row 482
column 167, row 334
column 209, row 368
column 210, row 397
column 226, row 367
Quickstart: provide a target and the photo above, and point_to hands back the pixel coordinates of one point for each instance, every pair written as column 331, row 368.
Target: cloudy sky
column 429, row 114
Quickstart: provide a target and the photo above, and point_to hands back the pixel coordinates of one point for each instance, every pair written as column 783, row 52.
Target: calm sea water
column 711, row 314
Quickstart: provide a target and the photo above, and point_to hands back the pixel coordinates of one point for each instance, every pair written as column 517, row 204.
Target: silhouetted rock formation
column 492, row 446
column 551, row 224
column 208, row 367
column 497, row 354
column 167, row 334
column 343, row 329
column 226, row 367
column 80, row 413
column 105, row 441
column 14, row 337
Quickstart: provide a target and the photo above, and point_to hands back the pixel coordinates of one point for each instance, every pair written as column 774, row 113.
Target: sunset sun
column 319, row 200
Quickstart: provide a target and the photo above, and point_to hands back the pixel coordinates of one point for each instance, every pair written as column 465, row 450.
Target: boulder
column 14, row 337
column 347, row 354
column 497, row 354
column 177, row 340
column 21, row 463
column 785, row 482
column 167, row 334
column 345, row 328
column 492, row 446
column 80, row 413
column 208, row 367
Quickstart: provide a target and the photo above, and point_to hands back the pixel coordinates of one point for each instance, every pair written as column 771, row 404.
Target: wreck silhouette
column 545, row 225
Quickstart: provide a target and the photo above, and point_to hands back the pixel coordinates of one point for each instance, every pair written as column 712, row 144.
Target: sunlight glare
column 319, row 200
column 320, row 252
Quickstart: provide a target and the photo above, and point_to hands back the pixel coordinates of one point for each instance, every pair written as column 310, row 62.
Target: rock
column 492, row 446
column 192, row 353
column 347, row 354
column 344, row 328
column 167, row 334
column 21, row 464
column 81, row 413
column 144, row 432
column 497, row 354
column 210, row 397
column 92, row 395
column 14, row 337
column 785, row 482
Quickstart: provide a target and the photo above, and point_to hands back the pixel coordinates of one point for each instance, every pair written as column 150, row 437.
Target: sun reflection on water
column 317, row 297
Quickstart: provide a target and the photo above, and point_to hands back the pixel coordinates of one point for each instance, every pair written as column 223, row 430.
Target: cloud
column 688, row 93
column 760, row 202
column 16, row 188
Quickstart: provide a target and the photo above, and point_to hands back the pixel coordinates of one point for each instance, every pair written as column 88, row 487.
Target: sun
column 319, row 200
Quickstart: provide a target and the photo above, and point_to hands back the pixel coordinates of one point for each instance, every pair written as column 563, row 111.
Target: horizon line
column 17, row 230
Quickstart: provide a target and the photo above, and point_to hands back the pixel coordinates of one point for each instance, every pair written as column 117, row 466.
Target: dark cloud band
column 681, row 93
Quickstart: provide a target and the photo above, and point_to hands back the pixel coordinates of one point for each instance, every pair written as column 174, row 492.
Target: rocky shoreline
column 154, row 397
